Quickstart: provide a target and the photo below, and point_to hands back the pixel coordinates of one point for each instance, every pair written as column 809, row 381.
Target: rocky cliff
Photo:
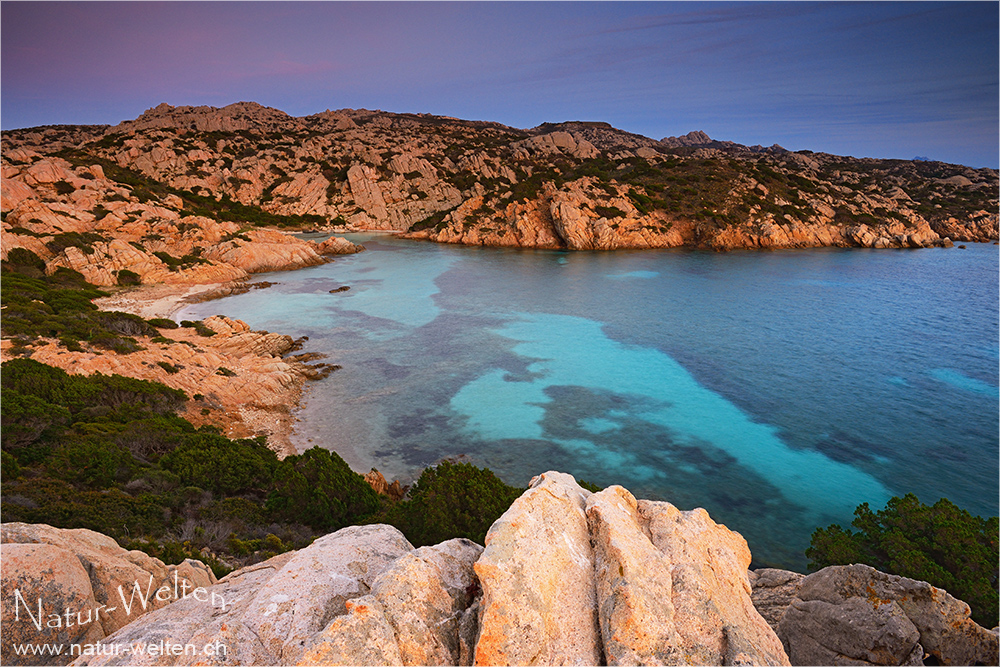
column 239, row 380
column 566, row 577
column 575, row 185
column 79, row 218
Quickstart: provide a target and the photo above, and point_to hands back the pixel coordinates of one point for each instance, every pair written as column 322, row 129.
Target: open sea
column 778, row 390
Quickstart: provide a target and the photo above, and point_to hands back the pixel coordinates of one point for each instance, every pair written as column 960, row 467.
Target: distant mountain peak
column 696, row 138
column 236, row 116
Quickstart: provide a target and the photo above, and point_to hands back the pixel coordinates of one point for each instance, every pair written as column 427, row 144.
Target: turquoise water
column 778, row 390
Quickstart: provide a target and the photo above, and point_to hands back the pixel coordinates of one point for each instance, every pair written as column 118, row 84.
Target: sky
column 879, row 79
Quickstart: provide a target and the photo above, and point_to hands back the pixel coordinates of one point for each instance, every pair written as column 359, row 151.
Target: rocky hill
column 566, row 577
column 574, row 185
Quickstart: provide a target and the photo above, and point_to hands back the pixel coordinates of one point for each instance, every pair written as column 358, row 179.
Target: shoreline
column 164, row 300
column 260, row 399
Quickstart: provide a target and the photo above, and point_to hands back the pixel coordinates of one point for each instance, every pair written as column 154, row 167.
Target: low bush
column 941, row 544
column 223, row 466
column 126, row 278
column 64, row 188
column 25, row 262
column 168, row 367
column 609, row 212
column 452, row 500
column 199, row 328
column 319, row 489
column 84, row 241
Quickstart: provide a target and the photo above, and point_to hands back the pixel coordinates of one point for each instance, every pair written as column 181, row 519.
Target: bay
column 778, row 390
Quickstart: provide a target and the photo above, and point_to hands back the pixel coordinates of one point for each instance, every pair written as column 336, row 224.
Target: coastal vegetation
column 60, row 306
column 110, row 453
column 941, row 544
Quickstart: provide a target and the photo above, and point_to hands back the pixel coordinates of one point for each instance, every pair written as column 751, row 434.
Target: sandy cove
column 162, row 300
column 258, row 399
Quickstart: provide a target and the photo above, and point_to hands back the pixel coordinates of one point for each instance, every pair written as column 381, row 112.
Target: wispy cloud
column 734, row 14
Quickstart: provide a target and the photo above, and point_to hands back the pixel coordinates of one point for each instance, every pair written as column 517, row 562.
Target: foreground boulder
column 60, row 587
column 773, row 591
column 266, row 613
column 418, row 613
column 672, row 587
column 567, row 577
column 539, row 602
column 854, row 614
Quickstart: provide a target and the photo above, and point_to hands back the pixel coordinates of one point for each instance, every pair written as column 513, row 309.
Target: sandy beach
column 163, row 300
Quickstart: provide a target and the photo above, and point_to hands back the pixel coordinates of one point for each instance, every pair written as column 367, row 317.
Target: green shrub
column 108, row 511
column 941, row 544
column 118, row 344
column 126, row 277
column 125, row 324
column 92, row 462
column 70, row 343
column 642, row 203
column 163, row 323
column 224, row 466
column 319, row 489
column 199, row 328
column 78, row 393
column 8, row 466
column 150, row 436
column 27, row 419
column 64, row 188
column 240, row 511
column 83, row 241
column 452, row 500
column 25, row 262
column 168, row 367
column 609, row 212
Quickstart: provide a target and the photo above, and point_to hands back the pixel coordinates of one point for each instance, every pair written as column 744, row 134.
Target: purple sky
column 886, row 79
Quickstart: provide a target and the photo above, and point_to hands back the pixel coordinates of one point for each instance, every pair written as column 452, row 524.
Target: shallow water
column 776, row 389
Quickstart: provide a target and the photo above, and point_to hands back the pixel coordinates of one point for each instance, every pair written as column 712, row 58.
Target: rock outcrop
column 244, row 385
column 338, row 245
column 417, row 613
column 379, row 484
column 79, row 586
column 566, row 577
column 540, row 603
column 772, row 591
column 157, row 241
column 574, row 185
column 854, row 614
column 672, row 587
column 272, row 609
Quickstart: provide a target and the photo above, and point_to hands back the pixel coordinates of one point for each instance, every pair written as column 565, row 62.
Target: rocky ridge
column 566, row 577
column 155, row 252
column 78, row 218
column 574, row 185
column 237, row 379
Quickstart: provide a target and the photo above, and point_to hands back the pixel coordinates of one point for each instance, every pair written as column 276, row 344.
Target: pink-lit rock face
column 571, row 185
column 76, row 574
